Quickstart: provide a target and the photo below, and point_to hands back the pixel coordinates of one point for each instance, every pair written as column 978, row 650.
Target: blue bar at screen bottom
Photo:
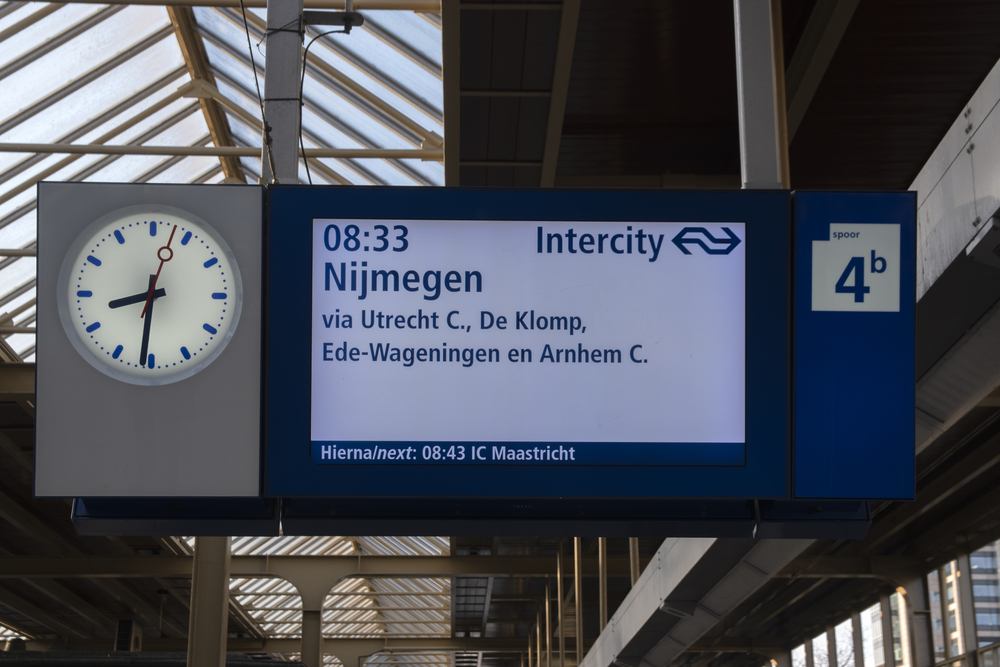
column 531, row 453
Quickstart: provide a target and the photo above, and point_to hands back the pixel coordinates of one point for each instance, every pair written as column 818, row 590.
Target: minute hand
column 135, row 298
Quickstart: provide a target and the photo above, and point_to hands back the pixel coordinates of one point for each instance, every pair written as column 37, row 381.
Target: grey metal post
column 548, row 623
column 943, row 604
column 858, row 639
column 831, row 646
column 538, row 635
column 967, row 610
column 281, row 91
column 559, row 605
column 887, row 641
column 602, row 578
column 578, row 595
column 312, row 638
column 781, row 658
column 530, row 663
column 810, row 657
column 633, row 558
column 920, row 637
column 758, row 116
column 209, row 622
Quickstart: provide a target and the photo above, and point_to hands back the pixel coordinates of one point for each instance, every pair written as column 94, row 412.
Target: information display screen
column 426, row 343
column 523, row 342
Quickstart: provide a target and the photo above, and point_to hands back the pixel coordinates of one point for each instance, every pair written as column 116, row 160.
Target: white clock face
column 150, row 295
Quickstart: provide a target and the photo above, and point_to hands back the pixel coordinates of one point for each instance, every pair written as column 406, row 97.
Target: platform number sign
column 857, row 269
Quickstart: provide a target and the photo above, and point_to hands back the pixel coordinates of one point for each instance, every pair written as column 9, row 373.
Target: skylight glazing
column 115, row 74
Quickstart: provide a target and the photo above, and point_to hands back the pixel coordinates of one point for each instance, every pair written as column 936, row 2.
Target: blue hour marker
column 151, row 362
column 210, row 329
column 93, row 260
column 187, row 237
column 118, row 235
column 117, row 353
column 152, row 228
column 219, row 296
column 211, row 262
column 184, row 351
column 93, row 327
column 85, row 292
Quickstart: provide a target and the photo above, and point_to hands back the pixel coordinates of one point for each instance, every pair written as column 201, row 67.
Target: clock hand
column 135, row 298
column 144, row 348
column 159, row 254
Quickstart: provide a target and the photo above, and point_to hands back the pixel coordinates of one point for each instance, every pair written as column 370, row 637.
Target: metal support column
column 538, row 636
column 857, row 639
column 530, row 663
column 548, row 623
column 886, row 616
column 312, row 638
column 918, row 641
column 281, row 91
column 602, row 578
column 559, row 606
column 578, row 595
column 810, row 654
column 633, row 558
column 781, row 658
column 209, row 624
column 759, row 162
column 966, row 610
column 831, row 646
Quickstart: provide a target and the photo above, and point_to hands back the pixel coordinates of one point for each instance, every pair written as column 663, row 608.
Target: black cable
column 260, row 100
column 302, row 83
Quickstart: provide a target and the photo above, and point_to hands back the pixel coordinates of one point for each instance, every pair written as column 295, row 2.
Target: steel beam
column 361, row 646
column 39, row 615
column 759, row 161
column 67, row 599
column 762, row 645
column 430, row 155
column 690, row 585
column 451, row 54
column 193, row 51
column 560, row 89
column 890, row 568
column 826, row 27
column 333, row 566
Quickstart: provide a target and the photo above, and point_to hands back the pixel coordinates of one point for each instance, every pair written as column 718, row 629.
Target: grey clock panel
column 99, row 437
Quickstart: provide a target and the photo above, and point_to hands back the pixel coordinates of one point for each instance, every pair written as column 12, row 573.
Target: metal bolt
column 975, row 223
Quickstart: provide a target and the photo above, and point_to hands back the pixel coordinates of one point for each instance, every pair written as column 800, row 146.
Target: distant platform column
column 209, row 622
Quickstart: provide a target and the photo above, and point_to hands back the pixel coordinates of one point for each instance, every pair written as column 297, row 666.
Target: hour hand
column 136, row 298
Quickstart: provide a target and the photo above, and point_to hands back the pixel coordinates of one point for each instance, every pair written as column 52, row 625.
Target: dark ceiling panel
column 652, row 90
column 901, row 76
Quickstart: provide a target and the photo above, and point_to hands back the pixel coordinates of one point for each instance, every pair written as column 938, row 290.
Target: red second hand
column 152, row 288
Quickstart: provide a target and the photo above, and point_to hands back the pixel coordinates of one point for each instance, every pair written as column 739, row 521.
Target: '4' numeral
column 859, row 289
column 857, row 266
